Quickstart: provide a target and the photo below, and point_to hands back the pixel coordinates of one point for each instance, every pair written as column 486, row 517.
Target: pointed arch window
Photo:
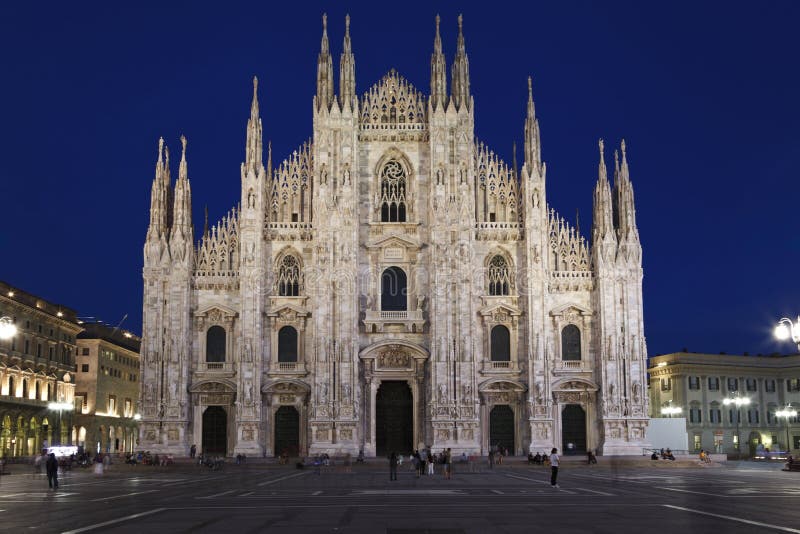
column 570, row 343
column 215, row 345
column 287, row 344
column 499, row 278
column 501, row 344
column 289, row 277
column 393, row 182
column 394, row 290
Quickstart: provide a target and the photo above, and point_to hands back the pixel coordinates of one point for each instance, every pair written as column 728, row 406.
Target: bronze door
column 287, row 431
column 215, row 431
column 394, row 418
column 501, row 427
column 573, row 429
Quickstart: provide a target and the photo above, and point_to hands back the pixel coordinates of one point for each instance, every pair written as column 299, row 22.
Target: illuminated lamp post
column 787, row 413
column 787, row 329
column 738, row 402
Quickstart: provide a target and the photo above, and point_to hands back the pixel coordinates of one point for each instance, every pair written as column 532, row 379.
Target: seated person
column 537, row 459
column 654, row 456
column 531, row 458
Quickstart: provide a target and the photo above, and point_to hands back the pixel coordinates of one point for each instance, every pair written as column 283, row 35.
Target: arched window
column 215, row 344
column 499, row 279
column 287, row 344
column 11, row 386
column 570, row 343
column 394, row 290
column 501, row 344
column 289, row 277
column 393, row 192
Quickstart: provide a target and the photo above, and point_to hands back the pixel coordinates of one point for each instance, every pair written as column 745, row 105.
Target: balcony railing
column 217, row 367
column 413, row 320
column 501, row 365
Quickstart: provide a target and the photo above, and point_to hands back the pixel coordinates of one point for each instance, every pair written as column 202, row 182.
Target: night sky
column 706, row 95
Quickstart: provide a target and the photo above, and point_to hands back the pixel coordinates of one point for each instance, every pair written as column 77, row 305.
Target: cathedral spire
column 602, row 215
column 254, row 149
column 460, row 88
column 533, row 146
column 324, row 70
column 347, row 70
column 160, row 197
column 624, row 207
column 182, row 210
column 269, row 159
column 438, row 72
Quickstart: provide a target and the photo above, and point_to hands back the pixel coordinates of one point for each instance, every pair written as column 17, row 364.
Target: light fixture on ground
column 788, row 414
column 60, row 407
column 738, row 402
column 787, row 329
column 7, row 328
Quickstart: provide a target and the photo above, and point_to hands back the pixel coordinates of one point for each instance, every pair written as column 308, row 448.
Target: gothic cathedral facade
column 392, row 284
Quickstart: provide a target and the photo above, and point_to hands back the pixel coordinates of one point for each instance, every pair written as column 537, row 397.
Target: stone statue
column 442, row 393
column 248, row 392
column 467, row 392
column 323, row 393
column 346, row 391
column 637, row 393
column 420, row 302
column 539, row 393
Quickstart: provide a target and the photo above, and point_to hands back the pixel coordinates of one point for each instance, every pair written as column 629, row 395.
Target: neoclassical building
column 392, row 283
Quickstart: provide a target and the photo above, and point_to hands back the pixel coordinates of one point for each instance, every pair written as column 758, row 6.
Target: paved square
column 510, row 498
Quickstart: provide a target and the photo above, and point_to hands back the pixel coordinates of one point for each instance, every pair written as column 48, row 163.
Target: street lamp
column 7, row 328
column 671, row 410
column 787, row 413
column 60, row 407
column 787, row 329
column 739, row 402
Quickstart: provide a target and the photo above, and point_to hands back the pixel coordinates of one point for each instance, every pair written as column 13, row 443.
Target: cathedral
column 392, row 284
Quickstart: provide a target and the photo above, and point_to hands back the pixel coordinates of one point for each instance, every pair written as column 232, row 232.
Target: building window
column 499, row 280
column 289, row 277
column 85, row 351
column 128, row 408
column 666, row 384
column 570, row 343
column 38, row 350
column 215, row 344
column 733, row 415
column 394, row 290
column 287, row 344
column 27, row 346
column 752, row 416
column 50, row 353
column 697, row 442
column 501, row 344
column 85, row 368
column 694, row 382
column 112, row 405
column 12, row 387
column 771, row 417
column 769, row 386
column 695, row 416
column 792, row 384
column 714, row 414
column 393, row 192
column 733, row 384
column 750, row 384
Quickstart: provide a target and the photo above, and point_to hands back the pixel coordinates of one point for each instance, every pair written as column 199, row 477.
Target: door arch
column 287, row 431
column 573, row 429
column 394, row 418
column 501, row 427
column 215, row 431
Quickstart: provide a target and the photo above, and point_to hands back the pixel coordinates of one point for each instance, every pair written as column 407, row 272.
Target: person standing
column 52, row 471
column 491, row 457
column 192, row 451
column 554, row 467
column 448, row 464
column 393, row 461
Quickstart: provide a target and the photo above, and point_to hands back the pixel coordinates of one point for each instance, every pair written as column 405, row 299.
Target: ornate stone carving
column 394, row 358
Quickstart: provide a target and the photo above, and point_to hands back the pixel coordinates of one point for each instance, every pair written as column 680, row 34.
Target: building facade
column 700, row 383
column 36, row 368
column 392, row 283
column 106, row 389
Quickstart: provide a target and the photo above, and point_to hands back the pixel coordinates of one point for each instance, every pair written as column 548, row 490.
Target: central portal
column 573, row 429
column 215, row 431
column 287, row 431
column 394, row 418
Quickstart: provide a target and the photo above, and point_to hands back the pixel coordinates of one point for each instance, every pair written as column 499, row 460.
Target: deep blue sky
column 705, row 94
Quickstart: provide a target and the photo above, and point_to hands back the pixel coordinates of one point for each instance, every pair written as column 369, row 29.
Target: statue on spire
column 438, row 72
column 324, row 70
column 461, row 94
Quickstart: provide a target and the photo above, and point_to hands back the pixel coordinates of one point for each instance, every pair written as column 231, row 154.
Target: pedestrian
column 491, row 458
column 52, row 471
column 554, row 468
column 431, row 462
column 393, row 461
column 592, row 459
column 192, row 451
column 447, row 463
column 415, row 458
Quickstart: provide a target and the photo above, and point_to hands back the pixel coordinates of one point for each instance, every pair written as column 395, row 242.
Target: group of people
column 538, row 458
column 424, row 462
column 663, row 455
column 704, row 457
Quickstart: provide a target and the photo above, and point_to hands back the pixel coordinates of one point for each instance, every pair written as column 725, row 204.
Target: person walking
column 554, row 468
column 491, row 457
column 393, row 461
column 52, row 471
column 431, row 462
column 192, row 451
column 448, row 464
